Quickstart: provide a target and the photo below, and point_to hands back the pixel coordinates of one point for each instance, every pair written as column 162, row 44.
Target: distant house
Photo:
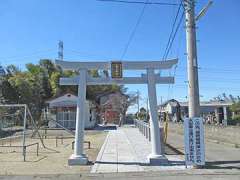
column 110, row 105
column 63, row 111
column 216, row 111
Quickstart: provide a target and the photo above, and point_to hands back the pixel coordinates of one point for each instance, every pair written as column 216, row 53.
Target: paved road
column 162, row 175
column 218, row 156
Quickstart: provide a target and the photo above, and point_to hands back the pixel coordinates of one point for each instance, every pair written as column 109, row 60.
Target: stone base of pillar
column 77, row 160
column 157, row 160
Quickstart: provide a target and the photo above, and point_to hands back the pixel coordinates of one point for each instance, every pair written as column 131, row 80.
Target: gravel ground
column 52, row 160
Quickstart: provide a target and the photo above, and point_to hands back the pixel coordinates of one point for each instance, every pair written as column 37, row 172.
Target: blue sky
column 93, row 30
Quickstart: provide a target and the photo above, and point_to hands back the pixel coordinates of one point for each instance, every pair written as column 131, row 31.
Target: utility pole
column 147, row 109
column 60, row 50
column 193, row 85
column 138, row 94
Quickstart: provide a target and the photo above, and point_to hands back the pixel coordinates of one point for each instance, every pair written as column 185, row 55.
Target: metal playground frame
column 35, row 131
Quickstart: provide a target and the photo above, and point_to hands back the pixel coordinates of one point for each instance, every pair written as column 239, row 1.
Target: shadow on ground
column 170, row 150
column 105, row 127
column 223, row 164
column 171, row 163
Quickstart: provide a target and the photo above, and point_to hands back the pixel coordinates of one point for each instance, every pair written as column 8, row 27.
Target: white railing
column 144, row 128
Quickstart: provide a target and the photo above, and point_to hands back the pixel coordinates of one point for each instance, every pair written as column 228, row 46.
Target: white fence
column 144, row 128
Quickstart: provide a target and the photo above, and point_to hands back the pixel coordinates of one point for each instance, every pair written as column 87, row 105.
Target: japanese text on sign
column 116, row 69
column 194, row 141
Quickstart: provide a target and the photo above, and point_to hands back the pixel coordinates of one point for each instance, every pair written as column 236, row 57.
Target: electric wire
column 171, row 43
column 172, row 31
column 134, row 31
column 140, row 2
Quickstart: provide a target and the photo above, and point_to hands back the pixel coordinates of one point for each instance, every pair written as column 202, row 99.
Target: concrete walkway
column 126, row 150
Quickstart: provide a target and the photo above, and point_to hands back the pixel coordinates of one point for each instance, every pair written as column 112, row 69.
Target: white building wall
column 68, row 119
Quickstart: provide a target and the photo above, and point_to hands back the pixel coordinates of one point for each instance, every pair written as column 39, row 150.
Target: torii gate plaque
column 151, row 79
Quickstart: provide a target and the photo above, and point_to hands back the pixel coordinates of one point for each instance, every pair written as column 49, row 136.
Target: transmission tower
column 60, row 50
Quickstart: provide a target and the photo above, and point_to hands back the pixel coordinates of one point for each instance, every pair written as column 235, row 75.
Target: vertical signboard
column 194, row 141
column 188, row 141
column 116, row 69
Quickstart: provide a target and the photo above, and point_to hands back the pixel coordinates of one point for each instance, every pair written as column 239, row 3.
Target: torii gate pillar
column 79, row 158
column 157, row 155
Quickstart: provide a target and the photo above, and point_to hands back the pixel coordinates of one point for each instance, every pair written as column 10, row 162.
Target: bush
column 235, row 107
column 236, row 118
column 234, row 121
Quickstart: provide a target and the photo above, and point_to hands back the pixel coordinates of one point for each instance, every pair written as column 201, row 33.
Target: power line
column 134, row 30
column 179, row 44
column 209, row 88
column 172, row 30
column 140, row 2
column 170, row 42
column 171, row 39
column 215, row 86
column 211, row 77
column 170, row 87
column 215, row 80
column 214, row 70
column 177, row 28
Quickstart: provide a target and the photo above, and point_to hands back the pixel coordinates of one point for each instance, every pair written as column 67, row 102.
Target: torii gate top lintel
column 126, row 65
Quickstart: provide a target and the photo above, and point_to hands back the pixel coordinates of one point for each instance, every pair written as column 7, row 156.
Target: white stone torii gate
column 151, row 79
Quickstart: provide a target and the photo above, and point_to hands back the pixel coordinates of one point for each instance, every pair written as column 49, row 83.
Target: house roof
column 67, row 100
column 172, row 102
column 210, row 103
column 109, row 93
column 203, row 103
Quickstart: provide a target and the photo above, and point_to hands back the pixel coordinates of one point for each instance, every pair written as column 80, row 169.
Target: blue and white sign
column 194, row 141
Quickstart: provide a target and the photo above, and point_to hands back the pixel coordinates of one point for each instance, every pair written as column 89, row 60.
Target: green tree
column 54, row 82
column 142, row 113
column 49, row 66
column 9, row 94
column 39, row 82
column 235, row 107
column 12, row 70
